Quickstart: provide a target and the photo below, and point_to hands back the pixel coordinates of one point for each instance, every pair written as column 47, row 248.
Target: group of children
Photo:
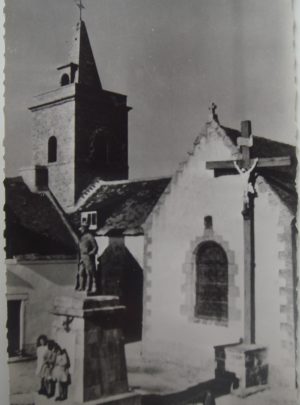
column 52, row 367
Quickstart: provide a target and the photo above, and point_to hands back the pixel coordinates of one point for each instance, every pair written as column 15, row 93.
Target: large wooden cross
column 247, row 168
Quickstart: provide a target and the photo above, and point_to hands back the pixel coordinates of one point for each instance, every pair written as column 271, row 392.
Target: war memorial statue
column 88, row 248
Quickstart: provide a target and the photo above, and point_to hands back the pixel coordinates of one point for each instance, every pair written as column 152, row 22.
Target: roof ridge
column 139, row 179
column 61, row 213
column 87, row 192
column 94, row 186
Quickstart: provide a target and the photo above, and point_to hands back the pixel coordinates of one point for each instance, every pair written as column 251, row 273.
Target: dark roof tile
column 124, row 205
column 33, row 225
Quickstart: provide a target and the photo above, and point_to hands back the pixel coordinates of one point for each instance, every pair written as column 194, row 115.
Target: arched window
column 52, row 149
column 64, row 79
column 211, row 282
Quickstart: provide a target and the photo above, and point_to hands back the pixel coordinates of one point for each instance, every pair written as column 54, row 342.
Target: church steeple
column 81, row 66
column 80, row 130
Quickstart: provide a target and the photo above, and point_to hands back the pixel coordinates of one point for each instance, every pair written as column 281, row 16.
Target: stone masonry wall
column 56, row 119
column 170, row 332
column 275, row 283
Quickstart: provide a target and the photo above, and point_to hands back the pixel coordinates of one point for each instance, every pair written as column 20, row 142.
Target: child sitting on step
column 47, row 368
column 61, row 374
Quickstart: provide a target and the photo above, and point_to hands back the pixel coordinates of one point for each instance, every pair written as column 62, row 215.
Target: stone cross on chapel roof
column 213, row 116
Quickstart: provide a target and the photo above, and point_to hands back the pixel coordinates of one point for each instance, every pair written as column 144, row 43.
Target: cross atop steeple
column 81, row 7
column 213, row 116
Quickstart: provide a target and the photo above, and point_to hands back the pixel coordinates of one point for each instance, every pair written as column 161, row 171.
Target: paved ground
column 268, row 397
column 160, row 386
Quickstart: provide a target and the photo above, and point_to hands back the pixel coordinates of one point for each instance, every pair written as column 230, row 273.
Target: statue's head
column 83, row 228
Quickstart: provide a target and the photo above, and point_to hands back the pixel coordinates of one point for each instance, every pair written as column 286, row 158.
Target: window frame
column 22, row 298
column 198, row 315
column 91, row 218
column 52, row 149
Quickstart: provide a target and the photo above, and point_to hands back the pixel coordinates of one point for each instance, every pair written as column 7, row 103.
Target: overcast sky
column 171, row 57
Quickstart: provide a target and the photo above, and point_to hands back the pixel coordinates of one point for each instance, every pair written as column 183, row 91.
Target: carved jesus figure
column 245, row 175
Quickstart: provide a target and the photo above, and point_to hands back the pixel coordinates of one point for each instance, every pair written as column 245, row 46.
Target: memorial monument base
column 244, row 366
column 89, row 329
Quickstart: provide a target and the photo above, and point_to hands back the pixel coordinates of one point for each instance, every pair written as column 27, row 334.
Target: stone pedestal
column 244, row 365
column 89, row 329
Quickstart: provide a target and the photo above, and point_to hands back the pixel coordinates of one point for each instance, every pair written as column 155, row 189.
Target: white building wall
column 170, row 331
column 103, row 242
column 135, row 245
column 43, row 281
column 176, row 225
column 273, row 284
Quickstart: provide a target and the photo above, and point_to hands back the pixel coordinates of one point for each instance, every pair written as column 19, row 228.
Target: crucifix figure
column 246, row 178
column 81, row 7
column 248, row 168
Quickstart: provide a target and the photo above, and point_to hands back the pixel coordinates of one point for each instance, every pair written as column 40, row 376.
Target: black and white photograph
column 150, row 209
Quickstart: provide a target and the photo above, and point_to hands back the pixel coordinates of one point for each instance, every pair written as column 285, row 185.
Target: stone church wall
column 57, row 119
column 274, row 283
column 171, row 332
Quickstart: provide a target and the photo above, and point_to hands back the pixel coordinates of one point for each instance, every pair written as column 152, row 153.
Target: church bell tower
column 80, row 130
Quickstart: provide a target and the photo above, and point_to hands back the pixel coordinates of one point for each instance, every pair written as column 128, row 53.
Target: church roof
column 122, row 205
column 281, row 179
column 33, row 225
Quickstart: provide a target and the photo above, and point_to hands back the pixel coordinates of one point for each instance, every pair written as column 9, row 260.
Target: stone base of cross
column 247, row 361
column 243, row 367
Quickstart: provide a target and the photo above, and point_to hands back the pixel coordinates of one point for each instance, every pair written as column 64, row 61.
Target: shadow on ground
column 192, row 395
column 24, row 383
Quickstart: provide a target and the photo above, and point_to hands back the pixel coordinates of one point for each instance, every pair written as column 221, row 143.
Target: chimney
column 36, row 178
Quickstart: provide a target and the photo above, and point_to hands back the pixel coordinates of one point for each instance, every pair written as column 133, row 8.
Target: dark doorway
column 14, row 327
column 121, row 275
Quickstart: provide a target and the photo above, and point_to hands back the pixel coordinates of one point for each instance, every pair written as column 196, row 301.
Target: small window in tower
column 52, row 149
column 65, row 80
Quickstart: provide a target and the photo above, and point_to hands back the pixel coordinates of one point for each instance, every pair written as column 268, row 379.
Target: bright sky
column 171, row 57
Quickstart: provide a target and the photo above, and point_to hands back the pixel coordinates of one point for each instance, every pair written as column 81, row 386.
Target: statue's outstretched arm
column 237, row 167
column 254, row 165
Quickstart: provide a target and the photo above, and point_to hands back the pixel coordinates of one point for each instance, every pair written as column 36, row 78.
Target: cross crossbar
column 262, row 163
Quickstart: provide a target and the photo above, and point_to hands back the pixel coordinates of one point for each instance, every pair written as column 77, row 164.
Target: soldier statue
column 88, row 248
